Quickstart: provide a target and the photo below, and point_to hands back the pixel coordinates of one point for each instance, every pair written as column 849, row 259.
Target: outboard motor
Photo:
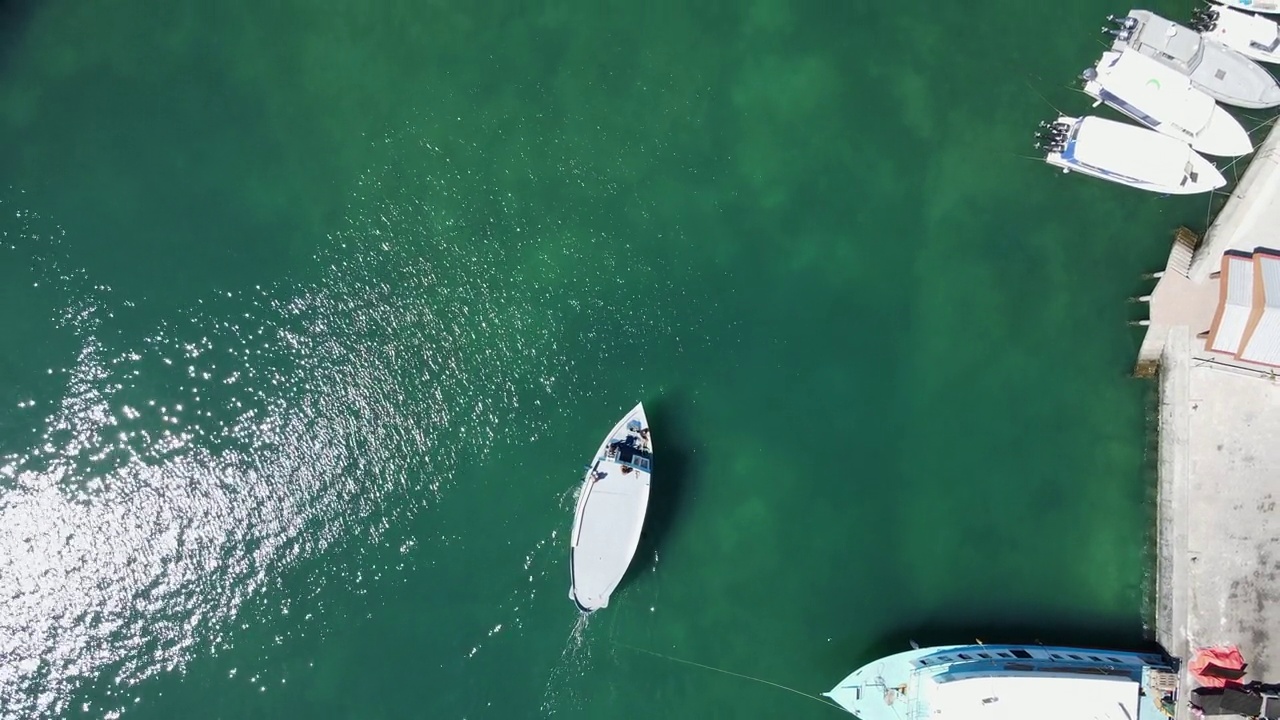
column 1052, row 136
column 1208, row 11
column 1121, row 34
column 1204, row 20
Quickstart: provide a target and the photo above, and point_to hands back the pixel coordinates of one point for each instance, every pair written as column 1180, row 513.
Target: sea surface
column 312, row 313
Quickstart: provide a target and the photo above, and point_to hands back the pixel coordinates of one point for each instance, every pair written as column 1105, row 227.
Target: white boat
column 1225, row 74
column 1165, row 101
column 610, row 512
column 1250, row 35
column 1128, row 155
column 1258, row 6
column 1011, row 682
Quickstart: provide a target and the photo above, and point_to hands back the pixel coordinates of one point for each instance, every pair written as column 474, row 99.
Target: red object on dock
column 1218, row 666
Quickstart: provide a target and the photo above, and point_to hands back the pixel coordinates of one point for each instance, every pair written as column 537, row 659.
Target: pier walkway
column 1218, row 575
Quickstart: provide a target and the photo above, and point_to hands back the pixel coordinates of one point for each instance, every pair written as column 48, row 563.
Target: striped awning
column 1246, row 324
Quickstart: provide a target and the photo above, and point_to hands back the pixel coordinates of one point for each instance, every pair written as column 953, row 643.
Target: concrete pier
column 1218, row 574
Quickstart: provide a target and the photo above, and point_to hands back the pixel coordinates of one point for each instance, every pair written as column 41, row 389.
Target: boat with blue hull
column 1011, row 682
column 1128, row 155
column 1165, row 101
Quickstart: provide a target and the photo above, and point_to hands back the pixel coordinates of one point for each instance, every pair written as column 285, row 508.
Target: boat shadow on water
column 674, row 470
column 14, row 15
column 1081, row 632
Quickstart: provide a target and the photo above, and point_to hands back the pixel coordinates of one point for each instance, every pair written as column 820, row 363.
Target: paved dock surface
column 1219, row 531
column 1218, row 554
column 1233, row 530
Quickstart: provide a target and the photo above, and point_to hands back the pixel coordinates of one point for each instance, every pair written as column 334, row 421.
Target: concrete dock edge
column 1173, row 484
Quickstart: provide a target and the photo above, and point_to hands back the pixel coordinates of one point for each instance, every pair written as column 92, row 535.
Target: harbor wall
column 1249, row 217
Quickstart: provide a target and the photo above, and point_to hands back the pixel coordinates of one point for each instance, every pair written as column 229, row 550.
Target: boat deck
column 1011, row 683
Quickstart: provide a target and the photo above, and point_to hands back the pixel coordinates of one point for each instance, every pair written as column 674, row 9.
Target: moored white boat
column 1225, row 74
column 1258, row 6
column 1128, row 155
column 610, row 512
column 1165, row 101
column 1252, row 35
column 1011, row 682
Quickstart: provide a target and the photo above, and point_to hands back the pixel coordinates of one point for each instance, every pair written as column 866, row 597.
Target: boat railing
column 917, row 710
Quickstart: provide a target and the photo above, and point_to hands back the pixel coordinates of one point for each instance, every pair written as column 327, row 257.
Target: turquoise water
column 315, row 311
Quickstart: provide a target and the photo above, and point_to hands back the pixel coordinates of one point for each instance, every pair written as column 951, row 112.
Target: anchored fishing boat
column 1165, row 101
column 1250, row 35
column 1127, row 155
column 1009, row 682
column 1223, row 73
column 610, row 512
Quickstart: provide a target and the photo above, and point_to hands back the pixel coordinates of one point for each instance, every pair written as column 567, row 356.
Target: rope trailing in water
column 824, row 701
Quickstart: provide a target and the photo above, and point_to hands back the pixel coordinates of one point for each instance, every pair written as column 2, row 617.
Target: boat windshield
column 1197, row 56
column 632, row 451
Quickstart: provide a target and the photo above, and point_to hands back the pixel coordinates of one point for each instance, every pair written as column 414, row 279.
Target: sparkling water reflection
column 178, row 474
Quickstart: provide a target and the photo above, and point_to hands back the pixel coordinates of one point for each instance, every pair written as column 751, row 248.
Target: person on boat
column 626, row 469
column 599, row 475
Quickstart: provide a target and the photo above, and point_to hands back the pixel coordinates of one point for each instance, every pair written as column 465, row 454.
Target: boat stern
column 1251, row 35
column 1052, row 138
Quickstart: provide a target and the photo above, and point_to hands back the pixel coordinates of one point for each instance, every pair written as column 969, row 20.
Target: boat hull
column 610, row 512
column 1226, row 75
column 1258, row 6
column 1189, row 189
column 1195, row 175
column 1164, row 100
column 909, row 685
column 1222, row 136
